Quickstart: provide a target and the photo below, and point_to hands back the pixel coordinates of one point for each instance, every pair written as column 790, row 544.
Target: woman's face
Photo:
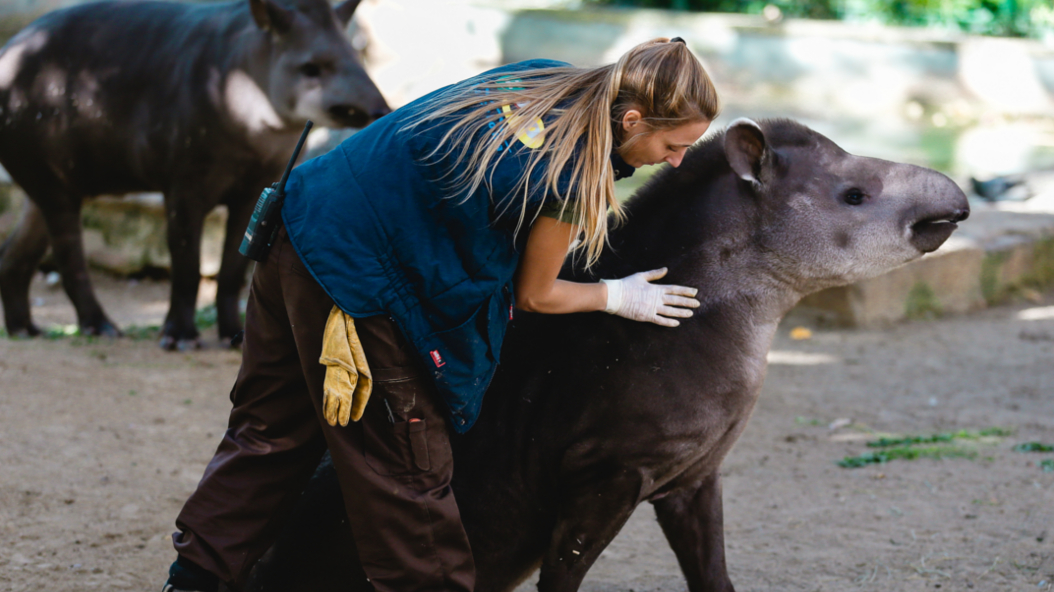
column 666, row 145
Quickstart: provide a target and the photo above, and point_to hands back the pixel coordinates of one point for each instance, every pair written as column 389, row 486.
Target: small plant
column 141, row 332
column 908, row 452
column 61, row 331
column 907, row 447
column 944, row 437
column 1034, row 447
column 205, row 317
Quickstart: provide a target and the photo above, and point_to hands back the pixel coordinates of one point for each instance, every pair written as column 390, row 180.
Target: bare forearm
column 564, row 297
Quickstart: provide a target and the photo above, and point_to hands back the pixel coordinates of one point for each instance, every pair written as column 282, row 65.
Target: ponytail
column 582, row 110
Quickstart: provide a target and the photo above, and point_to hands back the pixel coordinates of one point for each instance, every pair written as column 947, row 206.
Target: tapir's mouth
column 349, row 116
column 928, row 234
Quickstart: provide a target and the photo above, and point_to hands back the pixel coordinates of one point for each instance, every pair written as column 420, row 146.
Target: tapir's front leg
column 693, row 522
column 589, row 519
column 185, row 212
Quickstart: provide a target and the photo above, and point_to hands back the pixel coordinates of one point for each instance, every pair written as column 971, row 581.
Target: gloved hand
column 348, row 380
column 634, row 297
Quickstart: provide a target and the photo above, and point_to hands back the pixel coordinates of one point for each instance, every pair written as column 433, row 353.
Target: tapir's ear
column 345, row 10
column 270, row 16
column 745, row 148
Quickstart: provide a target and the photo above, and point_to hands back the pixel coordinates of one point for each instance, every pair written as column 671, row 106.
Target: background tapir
column 201, row 102
column 590, row 414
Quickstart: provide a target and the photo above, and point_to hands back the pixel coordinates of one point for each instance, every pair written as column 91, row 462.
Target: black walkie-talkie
column 263, row 225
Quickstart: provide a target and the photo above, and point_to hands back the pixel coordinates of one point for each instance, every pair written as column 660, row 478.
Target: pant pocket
column 386, row 426
column 419, row 443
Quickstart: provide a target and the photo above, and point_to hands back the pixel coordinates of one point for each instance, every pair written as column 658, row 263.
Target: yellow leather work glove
column 348, row 380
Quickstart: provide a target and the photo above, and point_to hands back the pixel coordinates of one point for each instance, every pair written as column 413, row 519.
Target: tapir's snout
column 936, row 219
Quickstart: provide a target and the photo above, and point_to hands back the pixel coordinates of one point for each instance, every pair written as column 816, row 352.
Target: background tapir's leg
column 62, row 214
column 233, row 267
column 185, row 211
column 692, row 520
column 19, row 256
column 590, row 518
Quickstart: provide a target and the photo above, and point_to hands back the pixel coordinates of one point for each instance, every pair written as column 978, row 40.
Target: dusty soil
column 101, row 441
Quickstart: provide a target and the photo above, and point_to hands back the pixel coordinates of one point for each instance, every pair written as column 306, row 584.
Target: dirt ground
column 102, row 440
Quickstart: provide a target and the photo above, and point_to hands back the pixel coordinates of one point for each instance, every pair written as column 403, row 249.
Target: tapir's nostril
column 960, row 215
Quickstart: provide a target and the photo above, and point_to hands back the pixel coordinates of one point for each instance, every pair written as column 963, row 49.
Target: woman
column 420, row 228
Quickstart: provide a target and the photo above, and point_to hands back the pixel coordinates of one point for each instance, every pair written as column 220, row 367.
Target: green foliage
column 143, row 332
column 1034, row 447
column 906, row 447
column 922, row 302
column 905, row 453
column 60, row 331
column 1014, row 18
column 824, row 9
column 944, row 437
column 205, row 317
column 1047, row 465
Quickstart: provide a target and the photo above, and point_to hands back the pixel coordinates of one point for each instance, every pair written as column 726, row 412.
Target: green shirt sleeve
column 552, row 209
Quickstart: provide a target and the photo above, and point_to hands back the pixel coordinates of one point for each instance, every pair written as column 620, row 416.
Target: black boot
column 187, row 576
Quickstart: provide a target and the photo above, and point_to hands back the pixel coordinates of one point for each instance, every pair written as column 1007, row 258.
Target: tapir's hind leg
column 62, row 214
column 232, row 270
column 19, row 257
column 693, row 522
column 589, row 519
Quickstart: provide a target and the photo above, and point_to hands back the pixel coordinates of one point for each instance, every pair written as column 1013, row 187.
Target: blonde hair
column 660, row 78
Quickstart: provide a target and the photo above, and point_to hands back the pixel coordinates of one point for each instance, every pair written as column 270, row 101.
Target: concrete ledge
column 942, row 282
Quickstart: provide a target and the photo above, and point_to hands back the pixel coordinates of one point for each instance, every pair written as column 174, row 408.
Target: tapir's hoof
column 101, row 329
column 26, row 332
column 170, row 343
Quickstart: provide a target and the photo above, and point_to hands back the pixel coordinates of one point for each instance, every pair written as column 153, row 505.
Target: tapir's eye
column 854, row 197
column 311, row 70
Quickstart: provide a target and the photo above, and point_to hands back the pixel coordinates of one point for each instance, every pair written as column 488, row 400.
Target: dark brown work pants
column 394, row 470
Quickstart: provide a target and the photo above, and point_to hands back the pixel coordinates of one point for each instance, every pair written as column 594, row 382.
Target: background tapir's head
column 314, row 72
column 827, row 217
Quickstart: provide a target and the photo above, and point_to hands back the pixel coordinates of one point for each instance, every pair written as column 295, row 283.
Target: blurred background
column 104, row 439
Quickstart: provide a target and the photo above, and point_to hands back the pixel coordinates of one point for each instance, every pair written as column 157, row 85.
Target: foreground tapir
column 202, row 102
column 590, row 414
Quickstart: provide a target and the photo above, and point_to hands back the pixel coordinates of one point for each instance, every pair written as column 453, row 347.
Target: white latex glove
column 634, row 297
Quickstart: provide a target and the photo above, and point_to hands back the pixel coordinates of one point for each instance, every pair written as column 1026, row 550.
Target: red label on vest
column 510, row 313
column 438, row 359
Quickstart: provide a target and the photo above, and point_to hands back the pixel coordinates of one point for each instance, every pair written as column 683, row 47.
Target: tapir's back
column 98, row 91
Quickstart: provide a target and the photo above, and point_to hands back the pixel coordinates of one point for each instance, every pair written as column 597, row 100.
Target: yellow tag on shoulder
column 532, row 137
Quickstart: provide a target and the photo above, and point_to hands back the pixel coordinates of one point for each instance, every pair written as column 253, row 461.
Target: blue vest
column 380, row 229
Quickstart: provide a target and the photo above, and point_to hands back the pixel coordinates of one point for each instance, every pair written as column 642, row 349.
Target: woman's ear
column 631, row 121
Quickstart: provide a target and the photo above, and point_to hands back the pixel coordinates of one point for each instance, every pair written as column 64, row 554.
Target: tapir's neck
column 703, row 225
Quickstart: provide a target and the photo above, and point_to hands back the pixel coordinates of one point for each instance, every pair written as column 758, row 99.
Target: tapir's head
column 826, row 217
column 314, row 72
